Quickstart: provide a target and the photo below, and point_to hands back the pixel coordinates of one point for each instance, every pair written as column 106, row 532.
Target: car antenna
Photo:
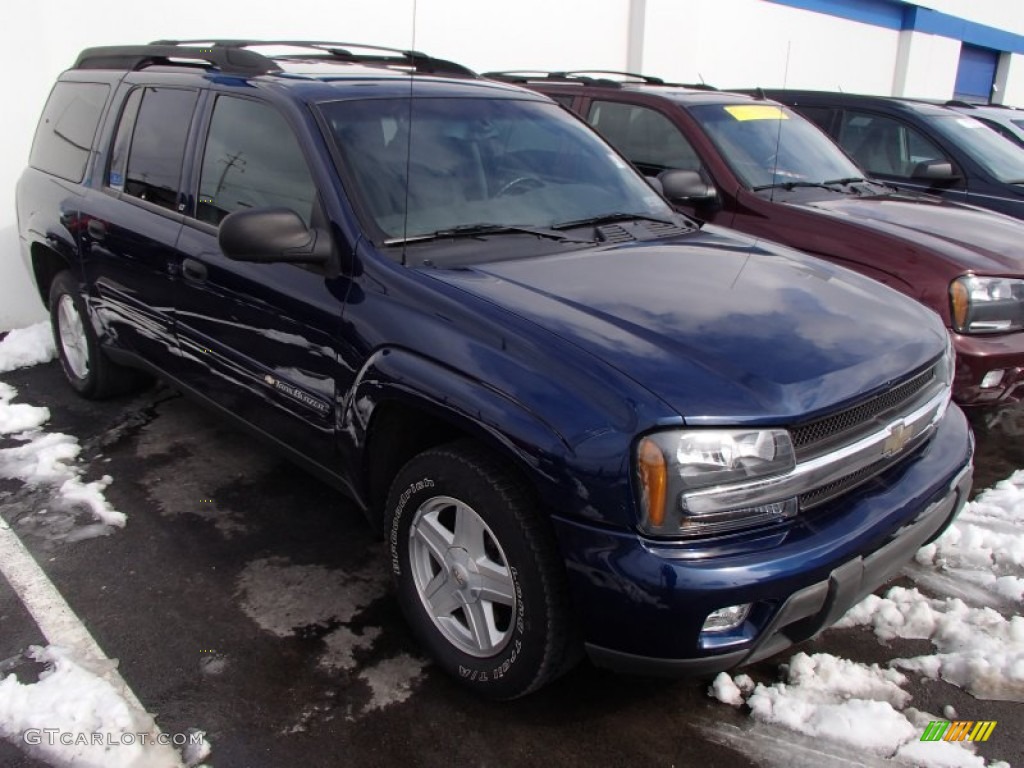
column 778, row 134
column 408, row 145
column 701, row 78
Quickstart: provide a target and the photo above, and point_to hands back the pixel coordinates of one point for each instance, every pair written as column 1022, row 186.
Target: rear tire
column 89, row 371
column 478, row 575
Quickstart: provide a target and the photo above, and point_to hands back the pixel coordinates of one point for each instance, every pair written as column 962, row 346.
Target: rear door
column 259, row 340
column 132, row 220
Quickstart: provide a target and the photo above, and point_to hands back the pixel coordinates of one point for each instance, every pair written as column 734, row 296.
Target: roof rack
column 234, row 56
column 583, row 77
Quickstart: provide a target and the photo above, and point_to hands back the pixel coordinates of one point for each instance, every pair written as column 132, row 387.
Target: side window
column 123, row 139
column 157, row 145
column 564, row 99
column 252, row 160
column 820, row 116
column 67, row 129
column 647, row 138
column 884, row 146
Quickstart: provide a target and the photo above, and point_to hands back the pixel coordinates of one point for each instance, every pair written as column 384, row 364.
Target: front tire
column 86, row 368
column 477, row 572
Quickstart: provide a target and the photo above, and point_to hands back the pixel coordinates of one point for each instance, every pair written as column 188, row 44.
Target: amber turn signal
column 960, row 301
column 653, row 481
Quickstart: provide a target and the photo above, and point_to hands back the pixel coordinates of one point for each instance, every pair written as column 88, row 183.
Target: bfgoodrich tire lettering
column 478, row 575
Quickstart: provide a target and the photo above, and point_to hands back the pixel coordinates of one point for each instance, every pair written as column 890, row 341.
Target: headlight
column 679, row 473
column 987, row 304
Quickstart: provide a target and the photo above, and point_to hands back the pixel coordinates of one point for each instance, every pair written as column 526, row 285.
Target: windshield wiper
column 610, row 218
column 485, row 230
column 789, row 185
column 848, row 180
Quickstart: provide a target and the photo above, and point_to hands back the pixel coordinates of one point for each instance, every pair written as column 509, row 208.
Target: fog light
column 726, row 618
column 992, row 379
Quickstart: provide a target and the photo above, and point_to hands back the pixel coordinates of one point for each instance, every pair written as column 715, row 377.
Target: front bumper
column 976, row 356
column 642, row 604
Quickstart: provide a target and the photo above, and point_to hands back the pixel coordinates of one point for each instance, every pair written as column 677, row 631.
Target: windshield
column 996, row 154
column 479, row 162
column 767, row 144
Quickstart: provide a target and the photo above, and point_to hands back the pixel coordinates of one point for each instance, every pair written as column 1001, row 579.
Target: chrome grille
column 816, row 437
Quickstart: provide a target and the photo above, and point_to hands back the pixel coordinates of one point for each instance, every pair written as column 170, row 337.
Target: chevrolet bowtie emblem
column 899, row 436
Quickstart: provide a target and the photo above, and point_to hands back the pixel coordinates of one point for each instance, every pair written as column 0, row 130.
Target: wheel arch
column 47, row 263
column 404, row 404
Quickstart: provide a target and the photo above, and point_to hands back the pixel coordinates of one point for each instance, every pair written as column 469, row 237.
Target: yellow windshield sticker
column 756, row 112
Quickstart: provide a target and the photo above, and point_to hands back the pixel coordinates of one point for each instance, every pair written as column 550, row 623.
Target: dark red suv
column 757, row 166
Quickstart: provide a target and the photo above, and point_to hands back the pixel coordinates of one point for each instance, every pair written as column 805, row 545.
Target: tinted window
column 252, row 160
column 1001, row 158
column 158, row 145
column 466, row 161
column 67, row 128
column 820, row 116
column 885, row 147
column 123, row 140
column 647, row 138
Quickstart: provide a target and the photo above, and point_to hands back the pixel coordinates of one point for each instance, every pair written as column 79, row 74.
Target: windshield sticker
column 743, row 112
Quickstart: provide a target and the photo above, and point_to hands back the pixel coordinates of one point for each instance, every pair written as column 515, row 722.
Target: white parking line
column 63, row 628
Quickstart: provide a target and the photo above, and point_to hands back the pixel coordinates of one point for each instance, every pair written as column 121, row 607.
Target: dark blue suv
column 581, row 420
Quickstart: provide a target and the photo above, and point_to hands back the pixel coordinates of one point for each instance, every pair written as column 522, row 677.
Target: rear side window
column 67, row 129
column 252, row 160
column 647, row 138
column 155, row 144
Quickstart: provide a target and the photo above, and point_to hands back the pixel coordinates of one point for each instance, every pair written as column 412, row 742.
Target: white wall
column 728, row 42
column 43, row 37
column 734, row 43
column 1001, row 14
column 926, row 66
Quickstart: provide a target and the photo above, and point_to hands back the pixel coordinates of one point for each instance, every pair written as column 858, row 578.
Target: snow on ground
column 27, row 346
column 73, row 717
column 976, row 573
column 40, row 458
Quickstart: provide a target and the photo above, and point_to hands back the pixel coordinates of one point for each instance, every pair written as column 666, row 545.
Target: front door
column 260, row 340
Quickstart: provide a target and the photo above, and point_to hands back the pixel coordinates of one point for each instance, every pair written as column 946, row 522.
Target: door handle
column 193, row 270
column 97, row 229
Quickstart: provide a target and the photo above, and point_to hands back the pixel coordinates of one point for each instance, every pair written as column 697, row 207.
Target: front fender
column 566, row 478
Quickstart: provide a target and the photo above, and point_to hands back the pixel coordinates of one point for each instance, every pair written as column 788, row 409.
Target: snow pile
column 834, row 699
column 978, row 648
column 19, row 417
column 985, row 546
column 77, row 703
column 27, row 346
column 48, row 458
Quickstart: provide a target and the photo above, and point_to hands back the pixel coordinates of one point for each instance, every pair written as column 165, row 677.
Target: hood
column 721, row 328
column 970, row 238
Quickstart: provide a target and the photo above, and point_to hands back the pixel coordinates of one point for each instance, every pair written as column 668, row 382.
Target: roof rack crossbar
column 417, row 60
column 650, row 80
column 133, row 57
column 582, row 77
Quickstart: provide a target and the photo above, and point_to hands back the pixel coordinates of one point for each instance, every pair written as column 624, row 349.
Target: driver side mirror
column 934, row 170
column 269, row 235
column 686, row 187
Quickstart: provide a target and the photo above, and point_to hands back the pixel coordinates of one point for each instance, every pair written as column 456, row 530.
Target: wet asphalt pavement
column 246, row 598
